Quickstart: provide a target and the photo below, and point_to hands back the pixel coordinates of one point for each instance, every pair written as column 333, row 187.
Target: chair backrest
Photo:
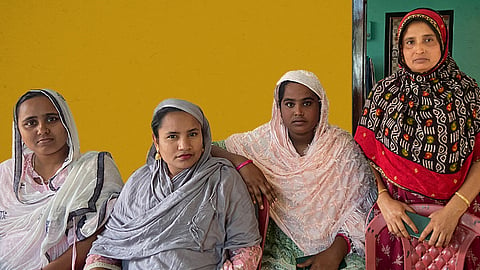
column 420, row 255
column 263, row 217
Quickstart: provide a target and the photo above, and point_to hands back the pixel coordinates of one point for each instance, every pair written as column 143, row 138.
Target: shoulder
column 388, row 82
column 6, row 170
column 138, row 177
column 101, row 159
column 345, row 145
column 249, row 135
column 92, row 155
column 240, row 143
column 228, row 176
column 469, row 83
column 231, row 184
column 99, row 163
column 224, row 168
column 7, row 164
column 342, row 136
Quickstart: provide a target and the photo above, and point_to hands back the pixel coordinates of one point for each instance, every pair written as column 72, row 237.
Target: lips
column 184, row 156
column 44, row 140
column 420, row 60
column 298, row 121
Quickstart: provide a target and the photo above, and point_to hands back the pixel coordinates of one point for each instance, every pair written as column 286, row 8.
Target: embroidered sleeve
column 243, row 258
column 95, row 260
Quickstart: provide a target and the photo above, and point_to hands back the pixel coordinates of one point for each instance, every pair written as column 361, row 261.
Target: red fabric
column 411, row 175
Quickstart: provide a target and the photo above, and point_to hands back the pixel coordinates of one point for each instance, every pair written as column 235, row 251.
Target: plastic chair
column 263, row 217
column 419, row 255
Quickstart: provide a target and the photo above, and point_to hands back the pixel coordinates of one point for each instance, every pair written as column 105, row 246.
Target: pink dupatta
column 322, row 193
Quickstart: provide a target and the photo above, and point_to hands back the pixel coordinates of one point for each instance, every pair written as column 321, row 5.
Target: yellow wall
column 115, row 60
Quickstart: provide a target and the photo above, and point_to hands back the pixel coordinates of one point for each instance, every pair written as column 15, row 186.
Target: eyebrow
column 304, row 99
column 29, row 118
column 426, row 35
column 178, row 132
column 35, row 117
column 193, row 129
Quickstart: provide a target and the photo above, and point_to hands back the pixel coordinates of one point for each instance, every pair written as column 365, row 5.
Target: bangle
column 241, row 165
column 465, row 200
column 381, row 191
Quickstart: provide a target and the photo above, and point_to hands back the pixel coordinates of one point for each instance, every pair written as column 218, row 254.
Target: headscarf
column 37, row 221
column 20, row 149
column 419, row 130
column 314, row 203
column 435, row 21
column 154, row 211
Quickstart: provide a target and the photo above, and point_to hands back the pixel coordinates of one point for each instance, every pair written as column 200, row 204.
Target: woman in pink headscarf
column 420, row 129
column 320, row 178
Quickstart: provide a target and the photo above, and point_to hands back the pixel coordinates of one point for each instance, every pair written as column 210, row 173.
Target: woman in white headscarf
column 183, row 209
column 54, row 199
column 322, row 182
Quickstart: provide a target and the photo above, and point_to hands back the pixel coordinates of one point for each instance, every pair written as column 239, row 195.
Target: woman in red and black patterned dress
column 420, row 130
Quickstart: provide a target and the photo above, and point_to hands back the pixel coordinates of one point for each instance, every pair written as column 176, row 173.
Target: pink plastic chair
column 420, row 255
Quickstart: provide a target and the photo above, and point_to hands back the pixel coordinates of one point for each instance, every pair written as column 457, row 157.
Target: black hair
column 281, row 91
column 158, row 118
column 27, row 96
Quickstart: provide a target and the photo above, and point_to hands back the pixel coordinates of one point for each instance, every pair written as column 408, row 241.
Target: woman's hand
column 443, row 223
column 257, row 184
column 393, row 212
column 329, row 258
column 320, row 262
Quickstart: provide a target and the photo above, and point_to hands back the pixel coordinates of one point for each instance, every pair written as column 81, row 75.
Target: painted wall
column 115, row 60
column 466, row 25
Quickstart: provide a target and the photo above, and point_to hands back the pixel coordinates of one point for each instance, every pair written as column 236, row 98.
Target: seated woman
column 421, row 131
column 54, row 200
column 322, row 182
column 184, row 209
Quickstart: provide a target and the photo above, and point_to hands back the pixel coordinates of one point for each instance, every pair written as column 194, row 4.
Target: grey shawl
column 187, row 222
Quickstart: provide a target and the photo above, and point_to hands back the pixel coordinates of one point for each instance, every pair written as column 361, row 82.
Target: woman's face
column 41, row 128
column 180, row 141
column 300, row 109
column 421, row 49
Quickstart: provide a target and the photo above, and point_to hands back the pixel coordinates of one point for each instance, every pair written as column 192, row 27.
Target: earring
column 158, row 156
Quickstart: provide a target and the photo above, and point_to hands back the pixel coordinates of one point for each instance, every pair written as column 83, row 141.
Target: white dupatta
column 31, row 223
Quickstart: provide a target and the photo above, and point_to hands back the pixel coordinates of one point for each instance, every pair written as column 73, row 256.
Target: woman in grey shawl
column 184, row 209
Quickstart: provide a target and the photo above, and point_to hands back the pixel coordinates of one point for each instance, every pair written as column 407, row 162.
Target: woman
column 183, row 209
column 54, row 199
column 420, row 130
column 309, row 164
